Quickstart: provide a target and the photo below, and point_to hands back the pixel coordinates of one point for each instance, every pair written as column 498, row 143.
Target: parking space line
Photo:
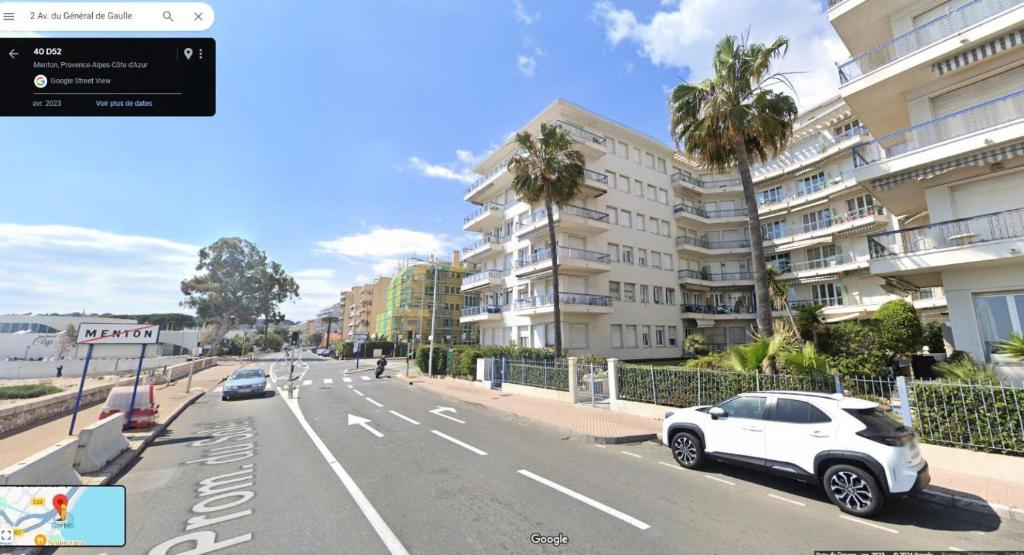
column 584, row 499
column 630, row 454
column 871, row 524
column 374, row 402
column 403, row 417
column 675, row 466
column 773, row 496
column 459, row 443
column 717, row 479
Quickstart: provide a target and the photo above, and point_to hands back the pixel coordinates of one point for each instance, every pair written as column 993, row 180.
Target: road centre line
column 717, row 479
column 391, row 541
column 374, row 402
column 780, row 498
column 403, row 417
column 583, row 498
column 871, row 524
column 459, row 443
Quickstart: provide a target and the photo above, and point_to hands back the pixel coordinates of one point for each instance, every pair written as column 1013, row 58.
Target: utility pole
column 433, row 311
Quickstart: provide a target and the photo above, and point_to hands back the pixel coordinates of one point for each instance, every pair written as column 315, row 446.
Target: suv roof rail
column 833, row 396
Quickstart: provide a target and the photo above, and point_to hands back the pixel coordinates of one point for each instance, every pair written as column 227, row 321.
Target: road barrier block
column 100, row 443
column 51, row 466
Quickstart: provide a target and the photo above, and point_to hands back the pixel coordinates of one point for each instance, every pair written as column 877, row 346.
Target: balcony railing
column 921, row 37
column 487, row 240
column 824, row 301
column 704, row 243
column 486, row 208
column 729, row 213
column 564, row 253
column 826, row 222
column 494, row 171
column 1007, row 224
column 580, row 133
column 541, row 215
column 680, row 177
column 708, row 276
column 482, row 276
column 565, row 299
column 969, row 120
column 484, row 309
column 834, row 3
column 738, row 308
column 821, row 263
column 595, row 176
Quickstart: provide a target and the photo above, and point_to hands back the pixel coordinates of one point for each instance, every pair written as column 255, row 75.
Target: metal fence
column 592, row 384
column 548, row 374
column 682, row 387
column 969, row 415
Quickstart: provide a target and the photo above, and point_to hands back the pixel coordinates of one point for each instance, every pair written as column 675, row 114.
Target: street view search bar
column 105, row 16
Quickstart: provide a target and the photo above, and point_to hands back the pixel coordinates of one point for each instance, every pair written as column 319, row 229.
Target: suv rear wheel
column 687, row 450
column 854, row 490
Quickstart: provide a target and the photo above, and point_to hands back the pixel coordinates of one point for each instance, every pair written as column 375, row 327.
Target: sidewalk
column 21, row 445
column 983, row 482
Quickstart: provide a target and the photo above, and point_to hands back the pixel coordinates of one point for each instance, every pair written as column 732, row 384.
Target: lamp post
column 433, row 312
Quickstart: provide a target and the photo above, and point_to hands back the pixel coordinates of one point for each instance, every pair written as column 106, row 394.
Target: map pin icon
column 188, row 53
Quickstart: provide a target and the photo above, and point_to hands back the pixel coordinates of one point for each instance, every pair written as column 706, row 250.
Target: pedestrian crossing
column 328, row 381
column 347, row 380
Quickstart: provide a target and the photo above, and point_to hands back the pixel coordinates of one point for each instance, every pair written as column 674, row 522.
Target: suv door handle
column 818, row 433
column 753, row 429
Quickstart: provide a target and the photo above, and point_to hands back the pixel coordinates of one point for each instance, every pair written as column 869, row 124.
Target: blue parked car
column 244, row 382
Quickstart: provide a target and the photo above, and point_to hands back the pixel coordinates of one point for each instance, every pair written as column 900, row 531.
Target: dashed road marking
column 365, row 378
column 350, row 387
column 459, row 443
column 328, row 381
column 347, row 380
column 374, row 402
column 583, row 498
column 630, row 454
column 359, row 393
column 773, row 496
column 403, row 417
column 871, row 524
column 717, row 479
column 307, row 382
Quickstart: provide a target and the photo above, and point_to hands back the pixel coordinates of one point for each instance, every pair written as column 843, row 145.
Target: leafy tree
column 855, row 349
column 899, row 328
column 725, row 120
column 933, row 338
column 316, row 338
column 548, row 171
column 236, row 283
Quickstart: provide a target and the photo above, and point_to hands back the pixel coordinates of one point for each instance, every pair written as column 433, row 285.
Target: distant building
column 362, row 305
column 45, row 337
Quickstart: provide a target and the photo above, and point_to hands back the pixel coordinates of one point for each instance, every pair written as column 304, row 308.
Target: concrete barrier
column 51, row 466
column 27, row 414
column 100, row 443
column 179, row 371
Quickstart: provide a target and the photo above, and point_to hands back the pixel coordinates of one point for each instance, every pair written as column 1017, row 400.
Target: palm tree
column 724, row 120
column 327, row 336
column 808, row 320
column 778, row 290
column 1013, row 347
column 549, row 170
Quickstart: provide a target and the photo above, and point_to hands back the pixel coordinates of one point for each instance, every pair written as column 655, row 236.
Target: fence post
column 839, row 383
column 654, row 386
column 901, row 387
column 545, row 374
column 757, row 379
column 573, row 386
column 698, row 387
column 613, row 380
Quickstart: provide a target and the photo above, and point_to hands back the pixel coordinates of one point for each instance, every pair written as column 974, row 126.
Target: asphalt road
column 316, row 478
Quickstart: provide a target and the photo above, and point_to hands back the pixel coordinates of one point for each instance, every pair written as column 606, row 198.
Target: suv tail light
column 898, row 439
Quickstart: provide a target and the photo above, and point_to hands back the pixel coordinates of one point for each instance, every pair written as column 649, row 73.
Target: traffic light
column 295, row 339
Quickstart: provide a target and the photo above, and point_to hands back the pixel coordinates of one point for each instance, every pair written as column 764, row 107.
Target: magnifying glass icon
column 167, row 16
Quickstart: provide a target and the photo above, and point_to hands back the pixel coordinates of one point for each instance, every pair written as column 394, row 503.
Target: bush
column 714, row 361
column 961, row 367
column 27, row 391
column 678, row 387
column 939, row 416
column 696, row 344
column 853, row 348
column 933, row 338
column 899, row 328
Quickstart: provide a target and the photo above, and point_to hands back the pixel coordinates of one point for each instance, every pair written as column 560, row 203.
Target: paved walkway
column 970, row 477
column 21, row 445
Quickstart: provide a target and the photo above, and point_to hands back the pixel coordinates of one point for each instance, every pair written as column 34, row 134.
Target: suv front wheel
column 854, row 490
column 687, row 450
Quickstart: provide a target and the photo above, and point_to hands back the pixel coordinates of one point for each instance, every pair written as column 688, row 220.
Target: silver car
column 244, row 382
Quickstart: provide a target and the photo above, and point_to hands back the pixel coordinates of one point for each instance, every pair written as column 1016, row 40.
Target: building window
column 641, row 257
column 650, row 160
column 661, row 164
column 663, row 196
column 615, row 290
column 629, row 341
column 998, row 317
column 670, row 296
column 626, row 218
column 577, row 336
column 673, row 336
column 659, row 336
column 636, row 155
column 638, row 188
column 656, row 260
column 616, row 336
column 846, row 128
column 627, row 255
column 780, row 262
column 828, row 294
column 629, row 292
column 655, row 227
column 623, row 150
column 817, row 220
column 861, row 206
column 769, row 196
column 652, row 192
column 818, row 257
column 658, row 294
column 641, row 222
column 810, row 184
column 645, row 336
column 645, row 294
column 773, row 230
column 613, row 252
column 668, row 262
column 610, row 144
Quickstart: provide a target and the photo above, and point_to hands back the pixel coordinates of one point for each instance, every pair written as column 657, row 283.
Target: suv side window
column 798, row 412
column 745, row 407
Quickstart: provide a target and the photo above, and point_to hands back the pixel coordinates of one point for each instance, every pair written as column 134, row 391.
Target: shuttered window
column 976, row 93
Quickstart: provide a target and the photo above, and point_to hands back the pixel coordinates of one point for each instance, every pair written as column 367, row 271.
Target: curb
column 971, row 504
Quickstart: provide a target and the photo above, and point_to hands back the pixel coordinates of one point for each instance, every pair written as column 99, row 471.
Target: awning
column 705, row 323
column 977, row 159
column 845, row 317
column 800, row 244
column 978, row 53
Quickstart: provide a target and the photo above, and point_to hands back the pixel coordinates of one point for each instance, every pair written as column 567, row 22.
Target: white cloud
column 527, row 64
column 684, row 37
column 385, row 243
column 439, row 171
column 522, row 15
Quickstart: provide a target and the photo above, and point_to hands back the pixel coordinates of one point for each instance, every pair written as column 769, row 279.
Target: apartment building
column 941, row 86
column 363, row 305
column 815, row 218
column 409, row 303
column 336, row 330
column 616, row 249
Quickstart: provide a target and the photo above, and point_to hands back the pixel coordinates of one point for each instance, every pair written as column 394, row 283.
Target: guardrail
column 961, row 232
column 541, row 214
column 494, row 171
column 548, row 374
column 595, row 176
column 565, row 299
column 821, row 263
column 580, row 133
column 486, row 208
column 487, row 240
column 680, row 177
column 917, row 39
column 746, row 308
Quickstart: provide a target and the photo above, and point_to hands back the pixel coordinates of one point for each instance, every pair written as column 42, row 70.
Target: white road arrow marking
column 439, row 410
column 354, row 420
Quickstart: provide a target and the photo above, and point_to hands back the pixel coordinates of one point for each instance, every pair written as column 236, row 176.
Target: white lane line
column 630, row 454
column 374, row 402
column 328, row 381
column 773, row 496
column 717, row 479
column 359, row 393
column 389, row 538
column 459, row 443
column 307, row 382
column 365, row 378
column 675, row 466
column 347, row 380
column 601, row 446
column 871, row 524
column 439, row 410
column 350, row 387
column 580, row 497
column 403, row 417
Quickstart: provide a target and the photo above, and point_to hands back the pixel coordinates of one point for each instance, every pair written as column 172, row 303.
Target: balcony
column 733, row 215
column 578, row 261
column 570, row 303
column 483, row 313
column 595, row 184
column 490, row 214
column 705, row 246
column 918, row 253
column 568, row 218
column 690, row 183
column 805, row 153
column 498, row 175
column 830, row 265
column 847, row 223
column 591, row 145
column 482, row 280
column 726, row 279
column 737, row 311
column 488, row 245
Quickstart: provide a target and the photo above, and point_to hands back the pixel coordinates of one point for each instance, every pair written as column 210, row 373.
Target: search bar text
column 105, row 16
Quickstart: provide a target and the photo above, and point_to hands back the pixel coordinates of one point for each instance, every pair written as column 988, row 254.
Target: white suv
column 859, row 454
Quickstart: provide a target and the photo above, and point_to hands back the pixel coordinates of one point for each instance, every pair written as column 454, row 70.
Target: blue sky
column 344, row 142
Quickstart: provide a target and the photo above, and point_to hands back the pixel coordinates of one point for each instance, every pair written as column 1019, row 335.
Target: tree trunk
column 327, row 336
column 761, row 294
column 554, row 275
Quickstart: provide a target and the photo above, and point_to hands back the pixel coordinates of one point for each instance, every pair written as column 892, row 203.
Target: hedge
column 986, row 417
column 684, row 387
column 27, row 391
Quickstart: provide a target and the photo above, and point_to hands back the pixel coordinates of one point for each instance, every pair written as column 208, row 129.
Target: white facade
column 617, row 255
column 942, row 86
